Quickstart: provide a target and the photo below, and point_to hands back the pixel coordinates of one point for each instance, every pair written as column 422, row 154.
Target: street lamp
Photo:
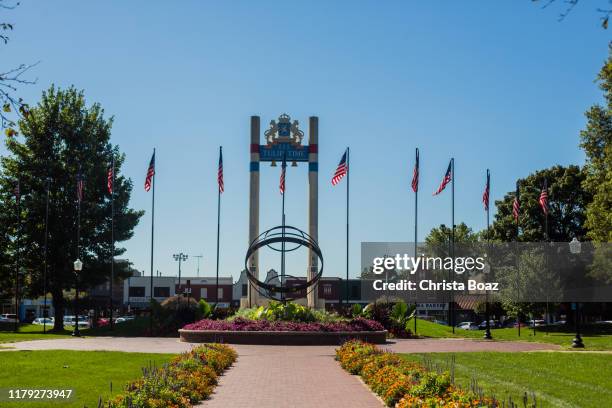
column 180, row 257
column 576, row 248
column 78, row 267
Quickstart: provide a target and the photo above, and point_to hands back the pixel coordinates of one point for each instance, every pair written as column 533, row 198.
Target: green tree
column 596, row 141
column 60, row 137
column 437, row 241
column 567, row 202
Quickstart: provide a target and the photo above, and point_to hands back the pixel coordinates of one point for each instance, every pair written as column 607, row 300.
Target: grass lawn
column 558, row 379
column 595, row 337
column 89, row 373
column 133, row 328
column 29, row 332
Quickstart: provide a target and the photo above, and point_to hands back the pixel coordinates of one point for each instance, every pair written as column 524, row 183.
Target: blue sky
column 500, row 84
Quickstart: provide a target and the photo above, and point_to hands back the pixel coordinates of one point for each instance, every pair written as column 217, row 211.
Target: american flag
column 544, row 198
column 80, row 186
column 448, row 176
column 17, row 192
column 110, row 178
column 282, row 176
column 150, row 173
column 341, row 170
column 220, row 172
column 415, row 173
column 516, row 205
column 485, row 194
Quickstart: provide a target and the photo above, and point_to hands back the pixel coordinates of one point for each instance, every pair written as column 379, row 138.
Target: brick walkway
column 283, row 376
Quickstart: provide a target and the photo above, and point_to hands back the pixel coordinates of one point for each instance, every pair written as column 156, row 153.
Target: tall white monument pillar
column 253, row 262
column 313, row 204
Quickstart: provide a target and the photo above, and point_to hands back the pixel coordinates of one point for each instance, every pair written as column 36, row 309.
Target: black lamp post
column 575, row 249
column 180, row 257
column 78, row 267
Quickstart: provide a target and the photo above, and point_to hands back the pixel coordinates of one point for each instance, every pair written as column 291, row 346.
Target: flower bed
column 403, row 384
column 240, row 324
column 186, row 380
column 245, row 331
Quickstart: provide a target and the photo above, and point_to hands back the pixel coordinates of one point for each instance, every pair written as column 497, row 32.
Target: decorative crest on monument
column 284, row 131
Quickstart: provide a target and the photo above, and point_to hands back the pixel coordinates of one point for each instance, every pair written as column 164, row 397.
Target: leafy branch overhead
column 569, row 5
column 10, row 80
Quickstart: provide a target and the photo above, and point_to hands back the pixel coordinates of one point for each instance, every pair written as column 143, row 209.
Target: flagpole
column 48, row 182
column 488, row 323
column 112, row 276
column 18, row 213
column 453, row 236
column 547, row 234
column 416, row 218
column 152, row 245
column 348, row 174
column 218, row 234
column 518, row 314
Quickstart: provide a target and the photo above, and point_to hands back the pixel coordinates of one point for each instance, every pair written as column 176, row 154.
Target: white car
column 467, row 326
column 8, row 318
column 42, row 321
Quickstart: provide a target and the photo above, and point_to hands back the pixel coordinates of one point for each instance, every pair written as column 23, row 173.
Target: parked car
column 536, row 323
column 8, row 318
column 467, row 326
column 42, row 321
column 493, row 324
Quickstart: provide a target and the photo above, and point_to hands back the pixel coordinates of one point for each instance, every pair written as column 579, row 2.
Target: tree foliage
column 60, row 138
column 596, row 141
column 567, row 201
column 10, row 79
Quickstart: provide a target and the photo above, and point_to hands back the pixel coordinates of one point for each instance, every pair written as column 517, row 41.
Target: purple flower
column 241, row 324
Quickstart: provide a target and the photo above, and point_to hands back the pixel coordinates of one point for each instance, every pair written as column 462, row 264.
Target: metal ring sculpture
column 282, row 235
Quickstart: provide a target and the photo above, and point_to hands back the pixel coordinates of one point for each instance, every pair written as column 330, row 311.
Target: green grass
column 557, row 379
column 89, row 373
column 132, row 328
column 595, row 337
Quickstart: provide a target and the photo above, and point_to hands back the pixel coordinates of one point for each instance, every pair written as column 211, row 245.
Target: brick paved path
column 283, row 376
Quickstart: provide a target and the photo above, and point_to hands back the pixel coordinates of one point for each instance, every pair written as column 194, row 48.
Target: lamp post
column 180, row 257
column 78, row 267
column 576, row 248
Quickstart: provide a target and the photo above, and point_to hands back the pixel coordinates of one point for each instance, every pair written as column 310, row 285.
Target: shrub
column 404, row 384
column 186, row 380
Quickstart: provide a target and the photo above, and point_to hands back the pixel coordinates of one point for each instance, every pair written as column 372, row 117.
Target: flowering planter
column 300, row 338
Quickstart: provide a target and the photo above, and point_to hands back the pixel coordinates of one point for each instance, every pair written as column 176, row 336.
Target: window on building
column 161, row 291
column 204, row 293
column 137, row 291
column 327, row 289
column 220, row 293
column 245, row 290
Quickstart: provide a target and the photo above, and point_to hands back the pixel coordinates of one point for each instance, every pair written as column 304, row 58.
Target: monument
column 283, row 140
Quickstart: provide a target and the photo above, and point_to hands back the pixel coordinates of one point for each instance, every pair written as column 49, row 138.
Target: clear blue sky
column 499, row 84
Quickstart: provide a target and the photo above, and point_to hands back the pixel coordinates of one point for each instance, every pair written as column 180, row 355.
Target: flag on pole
column 109, row 179
column 516, row 205
column 341, row 170
column 80, row 186
column 544, row 198
column 415, row 173
column 447, row 179
column 220, row 172
column 485, row 194
column 17, row 192
column 282, row 176
column 150, row 174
